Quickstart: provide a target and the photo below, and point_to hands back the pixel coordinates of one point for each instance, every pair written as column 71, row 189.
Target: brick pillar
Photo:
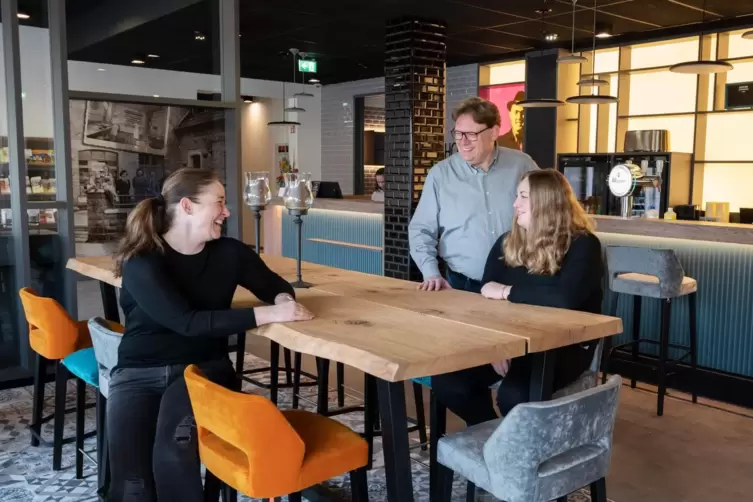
column 415, row 55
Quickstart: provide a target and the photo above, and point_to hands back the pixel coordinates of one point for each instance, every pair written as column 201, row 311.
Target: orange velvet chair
column 54, row 336
column 262, row 452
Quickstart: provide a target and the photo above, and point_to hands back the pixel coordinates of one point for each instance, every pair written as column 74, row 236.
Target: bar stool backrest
column 106, row 340
column 52, row 332
column 660, row 263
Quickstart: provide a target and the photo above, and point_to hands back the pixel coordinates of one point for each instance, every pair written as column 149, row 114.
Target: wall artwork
column 123, row 152
column 126, row 126
column 506, row 97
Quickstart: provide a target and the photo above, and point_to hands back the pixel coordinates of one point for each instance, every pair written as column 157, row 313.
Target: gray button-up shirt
column 464, row 210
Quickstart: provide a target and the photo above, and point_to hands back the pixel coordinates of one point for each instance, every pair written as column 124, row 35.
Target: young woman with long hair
column 550, row 258
column 179, row 277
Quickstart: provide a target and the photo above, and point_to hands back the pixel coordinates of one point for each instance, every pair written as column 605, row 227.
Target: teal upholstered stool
column 83, row 365
column 425, row 381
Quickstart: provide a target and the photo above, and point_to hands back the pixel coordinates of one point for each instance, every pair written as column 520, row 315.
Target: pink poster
column 506, row 97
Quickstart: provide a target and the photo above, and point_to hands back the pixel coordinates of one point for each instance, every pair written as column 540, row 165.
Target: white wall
column 139, row 81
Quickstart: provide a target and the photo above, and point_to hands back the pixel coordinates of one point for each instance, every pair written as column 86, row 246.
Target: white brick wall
column 337, row 118
column 337, row 128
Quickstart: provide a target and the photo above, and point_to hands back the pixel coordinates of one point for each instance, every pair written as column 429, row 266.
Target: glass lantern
column 298, row 194
column 256, row 192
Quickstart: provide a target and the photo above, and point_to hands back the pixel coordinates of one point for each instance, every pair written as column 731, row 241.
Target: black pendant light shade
column 540, row 103
column 701, row 67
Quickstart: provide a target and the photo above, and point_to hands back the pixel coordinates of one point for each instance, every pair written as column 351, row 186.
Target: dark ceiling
column 346, row 36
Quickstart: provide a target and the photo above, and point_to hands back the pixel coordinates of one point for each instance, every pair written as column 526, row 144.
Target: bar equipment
column 257, row 195
column 680, row 183
column 299, row 198
column 625, row 180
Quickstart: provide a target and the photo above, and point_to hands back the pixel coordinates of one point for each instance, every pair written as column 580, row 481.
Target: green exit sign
column 306, row 66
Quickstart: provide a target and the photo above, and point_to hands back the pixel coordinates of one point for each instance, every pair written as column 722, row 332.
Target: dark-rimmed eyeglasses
column 470, row 136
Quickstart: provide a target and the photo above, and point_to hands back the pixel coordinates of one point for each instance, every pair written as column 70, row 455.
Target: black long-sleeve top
column 576, row 286
column 178, row 307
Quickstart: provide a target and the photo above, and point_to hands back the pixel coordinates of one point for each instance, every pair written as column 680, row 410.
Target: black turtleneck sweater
column 177, row 307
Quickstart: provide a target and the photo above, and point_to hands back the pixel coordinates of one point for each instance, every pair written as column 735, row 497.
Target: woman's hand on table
column 495, row 291
column 284, row 310
column 502, row 367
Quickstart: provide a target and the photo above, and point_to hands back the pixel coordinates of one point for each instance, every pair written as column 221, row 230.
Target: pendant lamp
column 748, row 35
column 541, row 102
column 303, row 93
column 285, row 122
column 595, row 83
column 295, row 108
column 702, row 66
column 572, row 58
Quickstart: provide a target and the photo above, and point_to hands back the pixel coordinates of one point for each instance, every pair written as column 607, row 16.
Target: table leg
column 397, row 464
column 542, row 376
column 109, row 301
column 322, row 378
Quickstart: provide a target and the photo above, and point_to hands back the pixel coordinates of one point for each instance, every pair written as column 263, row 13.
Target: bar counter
column 349, row 234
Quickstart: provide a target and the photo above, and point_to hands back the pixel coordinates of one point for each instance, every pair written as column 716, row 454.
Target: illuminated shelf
column 652, row 115
column 723, row 161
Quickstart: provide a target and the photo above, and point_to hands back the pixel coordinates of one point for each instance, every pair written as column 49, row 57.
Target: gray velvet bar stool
column 653, row 273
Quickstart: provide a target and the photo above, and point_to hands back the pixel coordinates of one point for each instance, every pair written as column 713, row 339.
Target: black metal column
column 540, row 136
column 415, row 55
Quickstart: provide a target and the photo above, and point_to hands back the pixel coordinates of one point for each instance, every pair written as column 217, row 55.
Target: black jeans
column 152, row 433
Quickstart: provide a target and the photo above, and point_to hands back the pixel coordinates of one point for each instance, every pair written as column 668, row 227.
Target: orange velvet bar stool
column 54, row 336
column 263, row 452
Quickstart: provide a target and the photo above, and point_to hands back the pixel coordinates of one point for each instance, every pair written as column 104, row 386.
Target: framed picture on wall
column 126, row 126
column 506, row 97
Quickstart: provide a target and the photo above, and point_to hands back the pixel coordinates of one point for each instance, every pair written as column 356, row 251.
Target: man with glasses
column 466, row 203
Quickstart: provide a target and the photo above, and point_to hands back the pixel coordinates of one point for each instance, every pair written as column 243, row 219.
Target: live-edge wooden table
column 388, row 329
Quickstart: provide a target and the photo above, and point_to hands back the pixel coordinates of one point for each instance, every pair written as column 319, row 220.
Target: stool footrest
column 267, row 386
column 48, row 444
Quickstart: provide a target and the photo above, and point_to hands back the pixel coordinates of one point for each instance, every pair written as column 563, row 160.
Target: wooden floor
column 694, row 453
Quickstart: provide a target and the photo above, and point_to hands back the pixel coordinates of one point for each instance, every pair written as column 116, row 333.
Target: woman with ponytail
column 179, row 277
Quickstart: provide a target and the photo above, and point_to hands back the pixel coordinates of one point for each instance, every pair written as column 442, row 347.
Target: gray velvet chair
column 539, row 452
column 106, row 343
column 652, row 273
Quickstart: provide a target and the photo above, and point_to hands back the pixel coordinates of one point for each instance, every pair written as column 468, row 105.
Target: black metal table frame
column 393, row 411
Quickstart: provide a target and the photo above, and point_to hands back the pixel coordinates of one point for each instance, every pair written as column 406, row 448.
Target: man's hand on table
column 435, row 283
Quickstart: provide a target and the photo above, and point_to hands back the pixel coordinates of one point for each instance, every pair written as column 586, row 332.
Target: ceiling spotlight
column 247, row 99
column 313, row 81
column 22, row 15
column 748, row 35
column 197, row 35
column 101, row 69
column 155, row 95
column 603, row 30
column 551, row 37
column 153, row 56
column 137, row 61
column 544, row 11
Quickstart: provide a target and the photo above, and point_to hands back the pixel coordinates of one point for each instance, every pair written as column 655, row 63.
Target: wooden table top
column 387, row 328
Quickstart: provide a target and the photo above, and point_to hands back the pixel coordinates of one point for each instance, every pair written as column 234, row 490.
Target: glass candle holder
column 256, row 192
column 298, row 195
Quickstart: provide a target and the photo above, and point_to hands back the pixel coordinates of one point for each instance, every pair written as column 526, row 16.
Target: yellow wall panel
column 507, row 73
column 661, row 92
column 728, row 137
column 728, row 183
column 664, row 53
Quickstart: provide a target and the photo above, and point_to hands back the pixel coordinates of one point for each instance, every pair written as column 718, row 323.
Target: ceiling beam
column 115, row 17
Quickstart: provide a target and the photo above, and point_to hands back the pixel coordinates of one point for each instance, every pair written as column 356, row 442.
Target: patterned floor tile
column 26, row 473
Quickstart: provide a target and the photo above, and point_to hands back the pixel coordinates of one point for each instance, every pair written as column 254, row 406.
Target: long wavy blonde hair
column 556, row 219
